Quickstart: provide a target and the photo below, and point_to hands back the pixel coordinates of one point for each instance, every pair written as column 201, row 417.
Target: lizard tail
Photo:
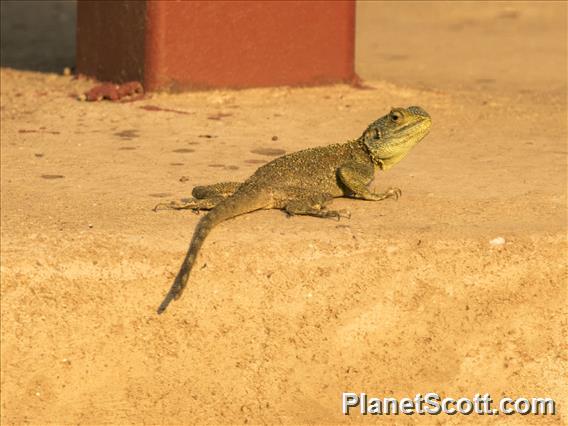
column 237, row 204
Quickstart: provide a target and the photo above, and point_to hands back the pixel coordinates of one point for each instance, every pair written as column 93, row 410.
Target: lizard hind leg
column 314, row 205
column 222, row 189
column 194, row 204
column 204, row 197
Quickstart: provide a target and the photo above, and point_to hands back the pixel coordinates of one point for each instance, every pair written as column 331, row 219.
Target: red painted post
column 110, row 39
column 178, row 45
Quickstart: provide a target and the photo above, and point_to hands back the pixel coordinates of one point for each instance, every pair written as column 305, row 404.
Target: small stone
column 499, row 241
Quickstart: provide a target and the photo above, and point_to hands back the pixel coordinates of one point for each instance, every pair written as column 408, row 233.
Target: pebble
column 499, row 241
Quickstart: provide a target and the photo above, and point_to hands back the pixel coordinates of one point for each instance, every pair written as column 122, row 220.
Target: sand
column 282, row 314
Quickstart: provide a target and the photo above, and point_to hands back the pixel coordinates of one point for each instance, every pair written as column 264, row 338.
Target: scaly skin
column 304, row 182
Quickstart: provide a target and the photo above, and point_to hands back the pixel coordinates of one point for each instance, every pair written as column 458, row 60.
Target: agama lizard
column 304, row 182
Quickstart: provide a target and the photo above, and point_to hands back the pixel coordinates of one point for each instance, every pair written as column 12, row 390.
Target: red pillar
column 173, row 45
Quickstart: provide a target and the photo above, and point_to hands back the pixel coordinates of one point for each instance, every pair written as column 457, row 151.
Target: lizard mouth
column 411, row 127
column 418, row 128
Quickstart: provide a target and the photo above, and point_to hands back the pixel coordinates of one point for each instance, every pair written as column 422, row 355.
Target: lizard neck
column 372, row 153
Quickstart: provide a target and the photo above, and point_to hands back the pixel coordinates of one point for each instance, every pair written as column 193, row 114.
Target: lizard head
column 391, row 137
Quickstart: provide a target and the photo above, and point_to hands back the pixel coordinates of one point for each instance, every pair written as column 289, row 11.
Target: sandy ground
column 283, row 315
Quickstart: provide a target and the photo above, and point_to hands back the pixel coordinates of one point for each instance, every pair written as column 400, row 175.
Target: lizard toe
column 394, row 193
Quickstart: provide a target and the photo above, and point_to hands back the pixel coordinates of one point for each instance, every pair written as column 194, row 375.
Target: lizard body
column 302, row 183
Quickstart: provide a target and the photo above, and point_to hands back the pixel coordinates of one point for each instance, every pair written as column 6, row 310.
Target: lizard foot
column 161, row 206
column 338, row 214
column 325, row 214
column 176, row 205
column 389, row 193
column 193, row 204
column 395, row 193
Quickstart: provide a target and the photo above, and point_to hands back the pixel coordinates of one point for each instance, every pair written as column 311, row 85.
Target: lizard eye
column 395, row 116
column 377, row 133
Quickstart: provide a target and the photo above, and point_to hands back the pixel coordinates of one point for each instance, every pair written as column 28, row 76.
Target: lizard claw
column 395, row 193
column 160, row 206
column 338, row 214
column 184, row 204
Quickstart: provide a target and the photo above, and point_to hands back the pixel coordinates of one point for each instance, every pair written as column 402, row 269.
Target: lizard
column 304, row 182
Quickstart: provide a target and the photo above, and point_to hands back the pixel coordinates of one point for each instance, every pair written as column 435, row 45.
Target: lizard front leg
column 222, row 189
column 356, row 177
